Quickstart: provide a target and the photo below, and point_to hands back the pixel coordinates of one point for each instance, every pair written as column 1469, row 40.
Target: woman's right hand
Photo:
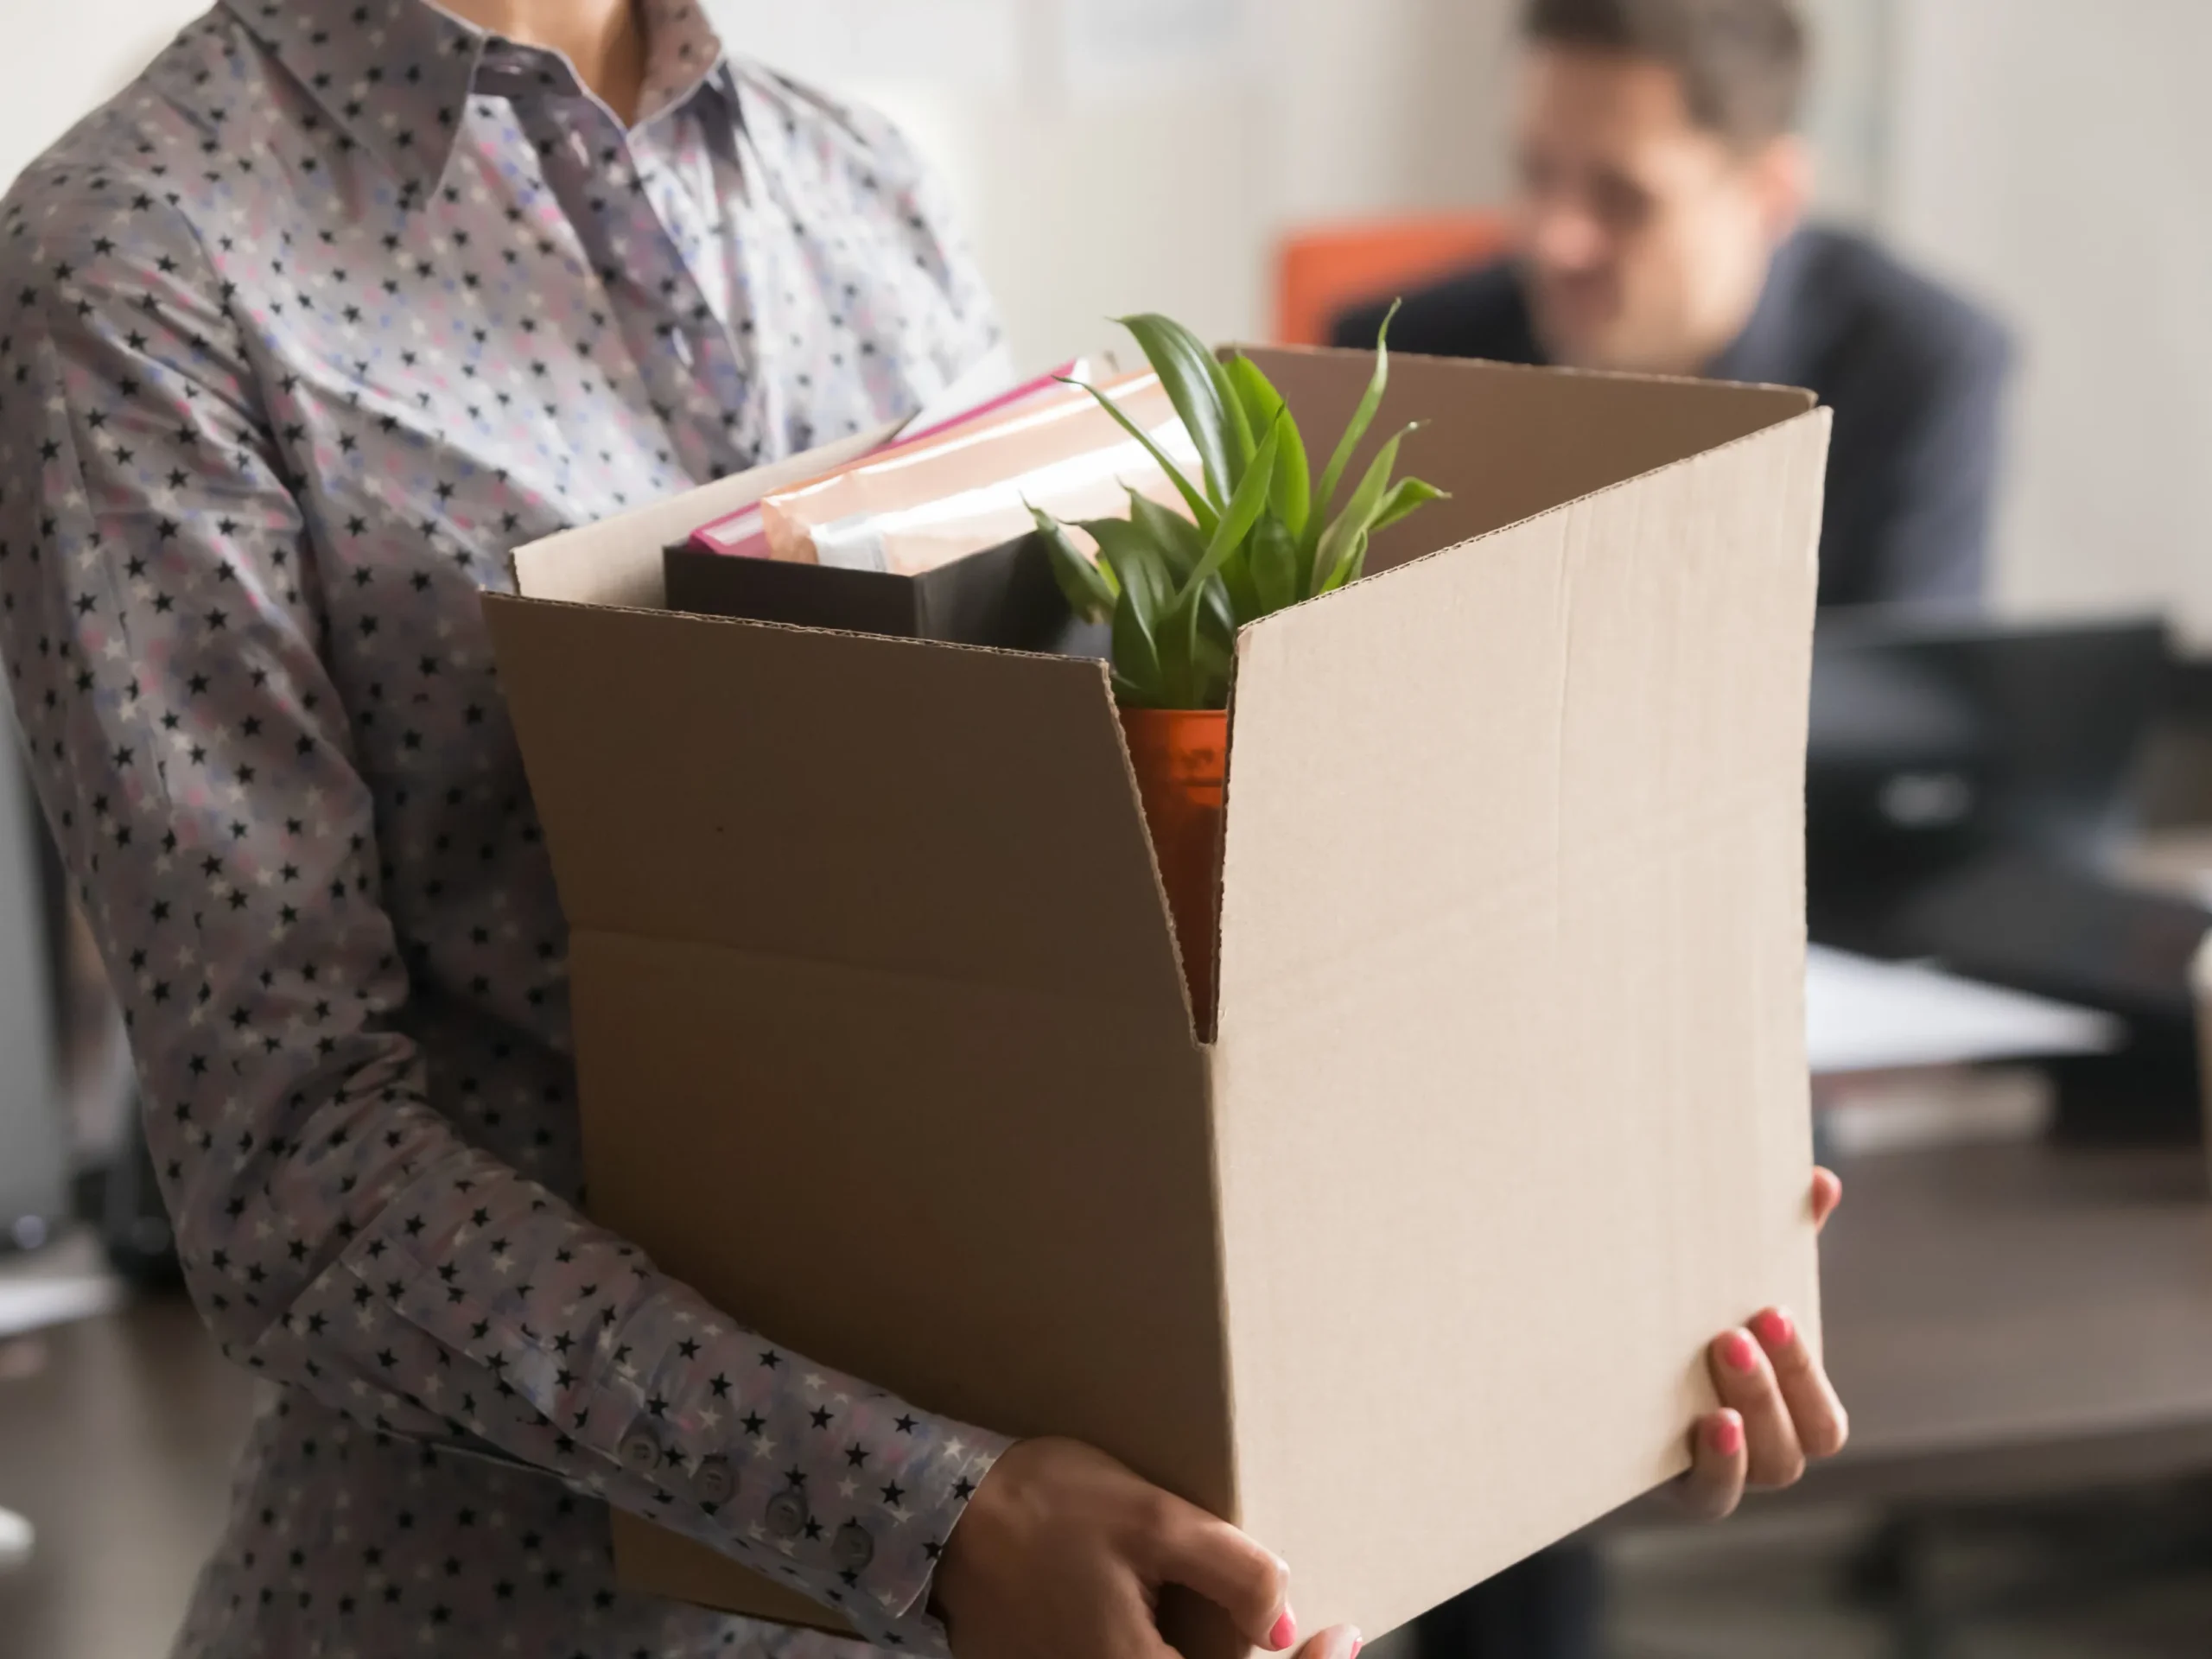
column 1063, row 1552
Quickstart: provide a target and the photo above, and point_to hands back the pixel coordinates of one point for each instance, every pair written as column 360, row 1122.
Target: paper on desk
column 1863, row 1015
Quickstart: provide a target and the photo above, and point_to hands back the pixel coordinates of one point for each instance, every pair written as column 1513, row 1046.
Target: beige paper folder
column 1411, row 1271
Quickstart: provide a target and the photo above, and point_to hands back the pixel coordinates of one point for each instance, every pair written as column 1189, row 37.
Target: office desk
column 2007, row 1322
column 2012, row 1318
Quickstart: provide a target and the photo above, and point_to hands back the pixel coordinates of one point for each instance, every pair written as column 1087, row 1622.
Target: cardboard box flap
column 915, row 808
column 1514, row 837
column 1381, row 776
column 1510, row 442
column 618, row 561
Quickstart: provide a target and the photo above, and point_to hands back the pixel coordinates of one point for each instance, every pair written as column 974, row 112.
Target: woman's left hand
column 1778, row 1409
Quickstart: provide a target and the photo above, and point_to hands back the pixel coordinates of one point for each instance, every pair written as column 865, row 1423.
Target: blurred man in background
column 1663, row 186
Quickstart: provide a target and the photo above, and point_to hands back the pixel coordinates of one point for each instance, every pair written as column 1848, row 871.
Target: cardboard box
column 1411, row 1270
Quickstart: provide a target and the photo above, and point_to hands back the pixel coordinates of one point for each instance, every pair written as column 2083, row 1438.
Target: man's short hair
column 1742, row 62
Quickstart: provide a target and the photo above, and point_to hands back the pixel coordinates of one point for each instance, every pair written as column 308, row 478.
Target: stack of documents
column 953, row 484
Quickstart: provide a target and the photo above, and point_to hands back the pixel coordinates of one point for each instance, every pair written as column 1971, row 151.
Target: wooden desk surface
column 2009, row 1318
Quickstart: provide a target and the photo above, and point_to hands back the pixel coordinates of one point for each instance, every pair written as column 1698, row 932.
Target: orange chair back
column 1325, row 270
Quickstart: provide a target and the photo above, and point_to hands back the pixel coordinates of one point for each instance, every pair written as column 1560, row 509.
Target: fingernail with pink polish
column 1285, row 1633
column 1728, row 1436
column 1776, row 1329
column 1357, row 1642
column 1739, row 1354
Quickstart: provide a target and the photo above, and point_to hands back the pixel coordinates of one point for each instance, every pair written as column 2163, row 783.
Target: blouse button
column 716, row 1482
column 641, row 1452
column 852, row 1549
column 787, row 1514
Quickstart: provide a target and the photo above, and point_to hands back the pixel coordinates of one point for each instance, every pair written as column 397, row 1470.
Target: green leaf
column 1348, row 566
column 1180, row 635
column 1195, row 385
column 1407, row 497
column 1362, row 417
column 1197, row 678
column 1292, row 497
column 1259, row 536
column 1180, row 548
column 1239, row 583
column 1176, row 535
column 1241, row 513
column 1141, row 570
column 1358, row 516
column 1216, row 616
column 1163, row 543
column 1257, row 398
column 1201, row 509
column 1130, row 694
column 1092, row 593
column 1273, row 569
column 1136, row 655
column 1216, row 660
column 1122, row 544
column 1242, row 444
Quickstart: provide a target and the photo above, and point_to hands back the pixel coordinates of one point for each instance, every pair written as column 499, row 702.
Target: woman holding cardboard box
column 342, row 301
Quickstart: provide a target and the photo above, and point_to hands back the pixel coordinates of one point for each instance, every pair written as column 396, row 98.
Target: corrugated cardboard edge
column 1813, row 411
column 1256, row 349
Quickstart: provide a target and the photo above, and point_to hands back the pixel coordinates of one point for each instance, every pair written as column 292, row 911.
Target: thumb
column 1235, row 1573
column 1341, row 1643
column 1827, row 1193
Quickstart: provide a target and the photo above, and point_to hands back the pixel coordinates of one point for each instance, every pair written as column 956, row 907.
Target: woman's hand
column 1778, row 1409
column 1063, row 1552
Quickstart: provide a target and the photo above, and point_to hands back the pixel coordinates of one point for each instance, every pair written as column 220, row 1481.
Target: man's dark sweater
column 1914, row 373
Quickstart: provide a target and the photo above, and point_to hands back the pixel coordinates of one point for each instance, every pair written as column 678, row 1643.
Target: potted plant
column 1262, row 534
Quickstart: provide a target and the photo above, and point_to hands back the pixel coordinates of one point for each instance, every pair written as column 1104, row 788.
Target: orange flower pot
column 1181, row 757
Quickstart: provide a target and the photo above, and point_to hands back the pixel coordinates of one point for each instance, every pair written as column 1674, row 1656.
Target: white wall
column 1166, row 188
column 1082, row 213
column 65, row 58
column 2057, row 156
column 1847, row 116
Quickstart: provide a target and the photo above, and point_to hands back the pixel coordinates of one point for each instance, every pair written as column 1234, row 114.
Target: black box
column 1005, row 597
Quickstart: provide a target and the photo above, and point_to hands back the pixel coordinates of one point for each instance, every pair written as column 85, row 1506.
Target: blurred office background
column 2046, row 155
column 2050, row 157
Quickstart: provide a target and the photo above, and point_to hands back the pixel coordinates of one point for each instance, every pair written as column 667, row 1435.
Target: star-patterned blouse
column 340, row 302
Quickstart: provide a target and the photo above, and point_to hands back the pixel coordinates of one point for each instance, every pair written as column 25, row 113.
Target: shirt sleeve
column 159, row 625
column 903, row 191
column 943, row 250
column 1923, row 518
